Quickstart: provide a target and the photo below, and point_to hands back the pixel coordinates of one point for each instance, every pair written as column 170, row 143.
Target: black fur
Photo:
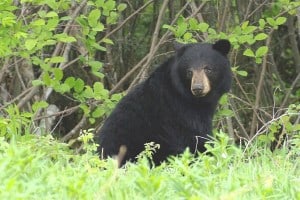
column 163, row 109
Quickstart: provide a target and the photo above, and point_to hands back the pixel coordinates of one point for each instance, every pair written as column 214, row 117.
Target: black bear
column 174, row 107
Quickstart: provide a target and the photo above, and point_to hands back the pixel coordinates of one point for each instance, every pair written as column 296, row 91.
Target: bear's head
column 202, row 71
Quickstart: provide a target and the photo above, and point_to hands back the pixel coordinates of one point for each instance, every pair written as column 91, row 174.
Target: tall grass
column 39, row 167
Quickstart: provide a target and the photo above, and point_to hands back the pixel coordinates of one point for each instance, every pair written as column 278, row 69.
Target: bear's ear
column 222, row 46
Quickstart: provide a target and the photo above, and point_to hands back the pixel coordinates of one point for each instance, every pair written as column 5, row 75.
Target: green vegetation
column 65, row 64
column 38, row 167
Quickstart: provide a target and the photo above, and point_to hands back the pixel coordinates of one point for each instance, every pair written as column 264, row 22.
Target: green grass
column 34, row 167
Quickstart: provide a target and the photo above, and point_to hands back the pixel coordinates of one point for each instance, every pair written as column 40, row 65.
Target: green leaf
column 181, row 29
column 20, row 35
column 98, row 47
column 63, row 37
column 98, row 112
column 187, row 36
column 109, row 5
column 49, row 42
column 203, row 27
column 51, row 14
column 121, row 7
column 63, row 88
column 37, row 82
column 99, row 91
column 171, row 28
column 224, row 99
column 94, row 17
column 116, row 97
column 193, row 23
column 58, row 74
column 57, row 59
column 92, row 120
column 262, row 23
column 107, row 41
column 280, row 20
column 261, row 36
column 98, row 87
column 79, row 85
column 249, row 53
column 38, row 105
column 99, row 27
column 258, row 60
column 85, row 109
column 296, row 127
column 46, row 78
column 244, row 25
column 70, row 81
column 30, row 44
column 248, row 38
column 249, row 29
column 96, row 65
column 41, row 13
column 88, row 92
column 39, row 22
column 225, row 112
column 261, row 51
column 8, row 21
column 52, row 23
column 271, row 21
column 242, row 73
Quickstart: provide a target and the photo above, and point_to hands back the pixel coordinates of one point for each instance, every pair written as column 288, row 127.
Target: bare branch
column 259, row 89
column 128, row 18
column 154, row 39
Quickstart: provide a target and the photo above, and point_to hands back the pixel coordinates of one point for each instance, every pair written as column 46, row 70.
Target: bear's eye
column 208, row 69
column 189, row 73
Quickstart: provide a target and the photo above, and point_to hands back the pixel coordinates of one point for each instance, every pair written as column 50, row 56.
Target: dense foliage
column 65, row 60
column 39, row 167
column 64, row 64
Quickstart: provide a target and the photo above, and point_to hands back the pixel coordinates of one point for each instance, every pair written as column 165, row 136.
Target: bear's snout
column 200, row 84
column 197, row 89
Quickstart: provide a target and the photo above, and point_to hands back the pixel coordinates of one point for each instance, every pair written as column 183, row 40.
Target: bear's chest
column 187, row 123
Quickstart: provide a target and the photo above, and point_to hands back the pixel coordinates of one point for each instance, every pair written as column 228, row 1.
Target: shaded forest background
column 66, row 63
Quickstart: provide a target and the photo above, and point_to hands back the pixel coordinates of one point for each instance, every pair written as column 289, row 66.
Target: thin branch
column 19, row 75
column 287, row 96
column 154, row 38
column 4, row 69
column 68, row 26
column 65, row 112
column 264, row 128
column 225, row 12
column 259, row 89
column 293, row 42
column 161, row 41
column 127, row 19
column 238, row 120
column 127, row 75
column 248, row 10
column 16, row 98
column 256, row 9
column 196, row 12
column 33, row 90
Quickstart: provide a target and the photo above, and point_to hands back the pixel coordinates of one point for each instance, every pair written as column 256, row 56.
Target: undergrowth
column 40, row 167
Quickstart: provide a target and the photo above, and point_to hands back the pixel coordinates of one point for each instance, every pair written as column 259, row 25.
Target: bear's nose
column 197, row 89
